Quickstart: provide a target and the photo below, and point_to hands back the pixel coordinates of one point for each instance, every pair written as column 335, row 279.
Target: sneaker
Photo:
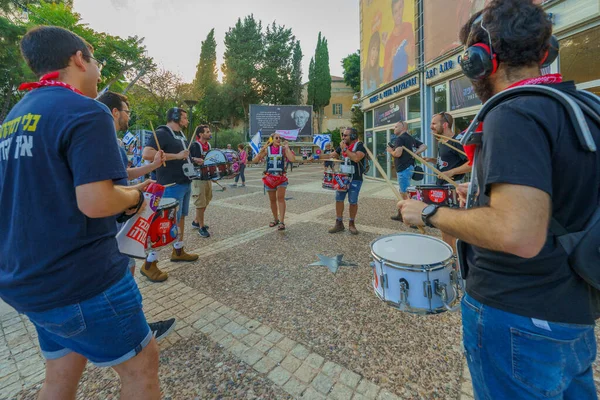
column 243, row 185
column 195, row 225
column 233, row 184
column 161, row 329
column 204, row 232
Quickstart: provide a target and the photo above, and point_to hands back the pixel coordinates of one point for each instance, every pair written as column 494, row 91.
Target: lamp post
column 190, row 104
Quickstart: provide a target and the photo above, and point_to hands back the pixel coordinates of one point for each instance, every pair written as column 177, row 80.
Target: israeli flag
column 128, row 138
column 321, row 140
column 255, row 143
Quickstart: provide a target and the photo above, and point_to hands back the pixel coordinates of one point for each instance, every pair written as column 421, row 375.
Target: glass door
column 380, row 153
column 369, row 145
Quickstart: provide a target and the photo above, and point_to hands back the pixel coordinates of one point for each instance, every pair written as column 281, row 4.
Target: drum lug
column 403, row 303
column 427, row 292
column 384, row 281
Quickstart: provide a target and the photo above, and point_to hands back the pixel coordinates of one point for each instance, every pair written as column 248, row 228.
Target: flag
column 128, row 138
column 255, row 143
column 321, row 140
column 289, row 134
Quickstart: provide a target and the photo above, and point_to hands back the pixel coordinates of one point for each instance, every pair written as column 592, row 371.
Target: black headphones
column 479, row 60
column 174, row 114
column 353, row 133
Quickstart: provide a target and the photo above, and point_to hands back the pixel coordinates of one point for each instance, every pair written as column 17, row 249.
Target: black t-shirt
column 530, row 141
column 405, row 160
column 449, row 158
column 359, row 167
column 173, row 172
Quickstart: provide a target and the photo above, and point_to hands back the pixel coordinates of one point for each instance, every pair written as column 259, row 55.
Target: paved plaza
column 255, row 322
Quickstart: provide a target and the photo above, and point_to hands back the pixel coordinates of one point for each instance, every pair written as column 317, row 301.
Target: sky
column 174, row 29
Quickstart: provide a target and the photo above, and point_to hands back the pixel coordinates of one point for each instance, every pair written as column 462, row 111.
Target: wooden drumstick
column 156, row 140
column 191, row 143
column 446, row 138
column 387, row 180
column 452, row 147
column 438, row 172
column 170, row 184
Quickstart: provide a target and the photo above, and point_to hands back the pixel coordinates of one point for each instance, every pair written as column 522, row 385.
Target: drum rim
column 170, row 205
column 398, row 265
column 414, row 267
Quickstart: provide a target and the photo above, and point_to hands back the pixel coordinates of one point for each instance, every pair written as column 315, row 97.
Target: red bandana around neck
column 48, row 80
column 349, row 148
column 548, row 79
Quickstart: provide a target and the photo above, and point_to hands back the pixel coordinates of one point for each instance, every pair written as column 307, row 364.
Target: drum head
column 167, row 202
column 411, row 249
column 215, row 157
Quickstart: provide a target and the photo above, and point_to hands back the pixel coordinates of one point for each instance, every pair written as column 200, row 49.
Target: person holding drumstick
column 201, row 190
column 172, row 141
column 275, row 180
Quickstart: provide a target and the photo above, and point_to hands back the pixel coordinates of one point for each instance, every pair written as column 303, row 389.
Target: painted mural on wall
column 388, row 42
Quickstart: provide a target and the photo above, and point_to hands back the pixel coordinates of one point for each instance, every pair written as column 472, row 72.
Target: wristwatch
column 429, row 212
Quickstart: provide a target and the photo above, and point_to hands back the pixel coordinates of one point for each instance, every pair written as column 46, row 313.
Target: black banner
column 268, row 119
column 390, row 113
column 462, row 94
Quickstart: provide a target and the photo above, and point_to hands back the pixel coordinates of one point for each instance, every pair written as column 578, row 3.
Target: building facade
column 410, row 69
column 338, row 113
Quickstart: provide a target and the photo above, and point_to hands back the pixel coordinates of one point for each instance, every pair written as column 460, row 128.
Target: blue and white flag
column 128, row 138
column 321, row 140
column 255, row 143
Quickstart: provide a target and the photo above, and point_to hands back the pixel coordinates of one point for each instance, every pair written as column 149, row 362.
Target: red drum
column 412, row 193
column 163, row 228
column 438, row 194
column 337, row 181
column 216, row 166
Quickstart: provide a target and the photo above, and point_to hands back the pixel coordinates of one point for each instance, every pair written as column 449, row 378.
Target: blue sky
column 174, row 29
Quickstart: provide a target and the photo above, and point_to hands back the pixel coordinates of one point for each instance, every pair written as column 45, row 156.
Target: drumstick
column 438, row 172
column 452, row 147
column 447, row 138
column 426, row 173
column 387, row 180
column 170, row 184
column 156, row 140
column 190, row 145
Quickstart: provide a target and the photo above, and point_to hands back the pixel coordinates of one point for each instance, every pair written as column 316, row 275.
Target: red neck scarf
column 48, row 80
column 548, row 79
column 349, row 148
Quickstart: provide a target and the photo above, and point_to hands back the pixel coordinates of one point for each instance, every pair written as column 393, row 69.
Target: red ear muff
column 551, row 53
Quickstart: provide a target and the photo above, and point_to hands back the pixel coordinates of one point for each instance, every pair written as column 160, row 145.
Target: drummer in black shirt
column 449, row 161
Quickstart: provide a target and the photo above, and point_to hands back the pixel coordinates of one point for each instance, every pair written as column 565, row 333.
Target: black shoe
column 397, row 218
column 195, row 225
column 204, row 232
column 160, row 329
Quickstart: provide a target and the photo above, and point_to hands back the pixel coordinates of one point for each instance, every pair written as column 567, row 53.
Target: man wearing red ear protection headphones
column 528, row 317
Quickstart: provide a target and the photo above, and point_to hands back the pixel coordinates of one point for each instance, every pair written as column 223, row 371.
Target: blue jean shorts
column 283, row 185
column 107, row 329
column 352, row 193
column 404, row 178
column 182, row 193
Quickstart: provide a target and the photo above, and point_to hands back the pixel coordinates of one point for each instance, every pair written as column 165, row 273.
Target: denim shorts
column 352, row 193
column 108, row 329
column 282, row 185
column 181, row 193
column 404, row 178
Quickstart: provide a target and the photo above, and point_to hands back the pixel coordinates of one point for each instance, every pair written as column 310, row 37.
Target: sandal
column 274, row 223
column 281, row 227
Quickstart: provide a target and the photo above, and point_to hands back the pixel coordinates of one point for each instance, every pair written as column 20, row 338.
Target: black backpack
column 583, row 247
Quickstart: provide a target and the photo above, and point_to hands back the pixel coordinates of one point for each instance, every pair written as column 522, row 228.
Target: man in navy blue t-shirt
column 60, row 262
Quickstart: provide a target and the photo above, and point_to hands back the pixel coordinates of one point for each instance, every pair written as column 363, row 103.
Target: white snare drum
column 414, row 273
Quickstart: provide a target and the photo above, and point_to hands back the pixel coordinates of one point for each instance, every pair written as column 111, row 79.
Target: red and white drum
column 438, row 194
column 340, row 182
column 163, row 228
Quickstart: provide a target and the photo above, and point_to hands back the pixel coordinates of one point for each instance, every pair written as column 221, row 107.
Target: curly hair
column 520, row 32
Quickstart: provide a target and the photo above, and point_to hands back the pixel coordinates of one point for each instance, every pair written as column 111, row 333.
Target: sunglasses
column 443, row 114
column 128, row 112
column 277, row 138
column 345, row 135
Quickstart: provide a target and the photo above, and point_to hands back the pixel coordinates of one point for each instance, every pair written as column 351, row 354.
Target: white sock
column 178, row 245
column 152, row 257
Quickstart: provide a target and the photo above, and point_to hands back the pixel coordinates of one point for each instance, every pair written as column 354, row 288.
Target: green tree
column 296, row 80
column 351, row 65
column 310, row 88
column 243, row 56
column 206, row 86
column 320, row 84
column 276, row 85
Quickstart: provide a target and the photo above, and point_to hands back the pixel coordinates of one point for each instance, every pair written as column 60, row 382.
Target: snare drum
column 163, row 228
column 216, row 166
column 438, row 194
column 340, row 182
column 412, row 193
column 414, row 273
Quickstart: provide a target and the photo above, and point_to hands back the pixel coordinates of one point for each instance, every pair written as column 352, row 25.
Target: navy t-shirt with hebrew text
column 51, row 254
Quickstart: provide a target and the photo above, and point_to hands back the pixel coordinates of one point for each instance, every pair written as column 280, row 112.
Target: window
column 414, row 106
column 439, row 98
column 462, row 94
column 337, row 109
column 579, row 55
column 369, row 119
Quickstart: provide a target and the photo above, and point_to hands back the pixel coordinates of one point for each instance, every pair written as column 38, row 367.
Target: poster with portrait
column 443, row 20
column 390, row 113
column 462, row 94
column 387, row 43
column 291, row 121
